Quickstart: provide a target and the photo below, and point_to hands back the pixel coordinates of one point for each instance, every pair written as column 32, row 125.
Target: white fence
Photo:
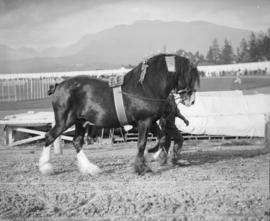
column 24, row 89
column 29, row 86
column 26, row 86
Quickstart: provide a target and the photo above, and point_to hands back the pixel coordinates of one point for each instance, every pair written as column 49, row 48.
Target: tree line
column 256, row 48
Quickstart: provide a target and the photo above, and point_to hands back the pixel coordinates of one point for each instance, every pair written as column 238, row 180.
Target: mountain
column 126, row 44
column 8, row 53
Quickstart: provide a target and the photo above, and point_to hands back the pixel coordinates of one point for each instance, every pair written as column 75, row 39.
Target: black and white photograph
column 131, row 110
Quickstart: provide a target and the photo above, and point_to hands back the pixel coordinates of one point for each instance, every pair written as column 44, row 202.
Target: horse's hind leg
column 85, row 166
column 140, row 166
column 61, row 125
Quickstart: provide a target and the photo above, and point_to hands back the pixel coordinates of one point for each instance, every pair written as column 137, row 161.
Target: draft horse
column 84, row 99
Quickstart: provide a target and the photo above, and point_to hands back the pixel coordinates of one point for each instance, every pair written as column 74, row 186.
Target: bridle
column 187, row 91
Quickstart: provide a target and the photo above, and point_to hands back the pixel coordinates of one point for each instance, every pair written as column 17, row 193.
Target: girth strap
column 119, row 105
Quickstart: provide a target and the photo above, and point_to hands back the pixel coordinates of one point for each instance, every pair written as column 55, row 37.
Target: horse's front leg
column 143, row 128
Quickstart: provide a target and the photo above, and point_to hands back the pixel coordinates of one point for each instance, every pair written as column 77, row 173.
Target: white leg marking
column 44, row 166
column 156, row 155
column 85, row 166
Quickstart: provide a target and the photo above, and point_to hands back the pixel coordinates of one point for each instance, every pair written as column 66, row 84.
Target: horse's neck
column 166, row 84
column 157, row 84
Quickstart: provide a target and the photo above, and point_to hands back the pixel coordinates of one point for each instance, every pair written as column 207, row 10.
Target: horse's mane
column 136, row 71
column 187, row 71
column 184, row 68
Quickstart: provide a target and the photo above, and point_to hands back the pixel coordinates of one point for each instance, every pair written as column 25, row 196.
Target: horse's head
column 187, row 98
column 187, row 76
column 170, row 72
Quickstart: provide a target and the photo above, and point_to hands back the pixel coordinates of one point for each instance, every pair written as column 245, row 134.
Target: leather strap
column 119, row 105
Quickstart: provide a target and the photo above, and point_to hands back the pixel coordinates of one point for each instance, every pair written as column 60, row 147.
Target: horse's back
column 87, row 98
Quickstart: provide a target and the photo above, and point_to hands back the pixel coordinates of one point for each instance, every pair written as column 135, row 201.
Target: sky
column 45, row 23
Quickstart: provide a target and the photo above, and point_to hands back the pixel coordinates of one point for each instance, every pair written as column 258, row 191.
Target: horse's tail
column 52, row 89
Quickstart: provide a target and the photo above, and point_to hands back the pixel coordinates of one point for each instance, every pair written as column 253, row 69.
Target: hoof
column 95, row 171
column 142, row 171
column 46, row 169
column 141, row 168
column 162, row 158
column 92, row 170
column 85, row 166
column 183, row 162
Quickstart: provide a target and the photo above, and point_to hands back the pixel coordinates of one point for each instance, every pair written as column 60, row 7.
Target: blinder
column 187, row 91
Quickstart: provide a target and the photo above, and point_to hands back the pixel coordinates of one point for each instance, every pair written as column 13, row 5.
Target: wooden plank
column 65, row 137
column 29, row 131
column 28, row 140
column 24, row 124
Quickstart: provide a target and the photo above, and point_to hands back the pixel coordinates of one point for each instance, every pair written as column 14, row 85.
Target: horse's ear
column 195, row 62
column 170, row 62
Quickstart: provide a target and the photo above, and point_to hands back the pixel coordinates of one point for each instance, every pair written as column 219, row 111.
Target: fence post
column 15, row 89
column 267, row 131
column 9, row 135
column 8, row 92
column 2, row 91
column 23, row 89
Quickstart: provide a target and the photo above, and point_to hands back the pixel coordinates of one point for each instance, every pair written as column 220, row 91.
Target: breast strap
column 119, row 105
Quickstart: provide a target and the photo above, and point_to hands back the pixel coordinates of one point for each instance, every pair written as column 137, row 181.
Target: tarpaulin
column 226, row 113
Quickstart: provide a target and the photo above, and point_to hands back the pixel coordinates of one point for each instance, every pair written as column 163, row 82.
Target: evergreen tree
column 243, row 52
column 263, row 45
column 214, row 54
column 266, row 46
column 199, row 57
column 253, row 48
column 227, row 55
column 209, row 56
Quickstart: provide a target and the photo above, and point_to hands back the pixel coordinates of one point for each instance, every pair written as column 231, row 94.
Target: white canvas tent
column 226, row 113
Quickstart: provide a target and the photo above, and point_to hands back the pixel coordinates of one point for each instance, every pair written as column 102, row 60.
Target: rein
column 157, row 100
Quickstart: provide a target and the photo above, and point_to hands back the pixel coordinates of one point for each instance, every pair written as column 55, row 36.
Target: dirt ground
column 222, row 182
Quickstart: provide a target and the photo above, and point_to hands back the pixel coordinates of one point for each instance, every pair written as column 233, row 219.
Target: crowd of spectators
column 245, row 72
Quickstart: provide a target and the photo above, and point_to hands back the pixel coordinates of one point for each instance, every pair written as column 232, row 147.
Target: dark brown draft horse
column 82, row 98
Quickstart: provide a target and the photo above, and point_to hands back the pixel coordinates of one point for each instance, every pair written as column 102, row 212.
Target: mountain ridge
column 122, row 45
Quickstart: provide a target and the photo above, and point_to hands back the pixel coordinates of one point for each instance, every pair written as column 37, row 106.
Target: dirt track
column 217, row 185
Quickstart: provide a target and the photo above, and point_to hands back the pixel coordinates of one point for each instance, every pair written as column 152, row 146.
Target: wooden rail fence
column 25, row 89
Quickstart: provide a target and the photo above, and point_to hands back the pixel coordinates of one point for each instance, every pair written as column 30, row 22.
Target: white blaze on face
column 170, row 61
column 188, row 100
